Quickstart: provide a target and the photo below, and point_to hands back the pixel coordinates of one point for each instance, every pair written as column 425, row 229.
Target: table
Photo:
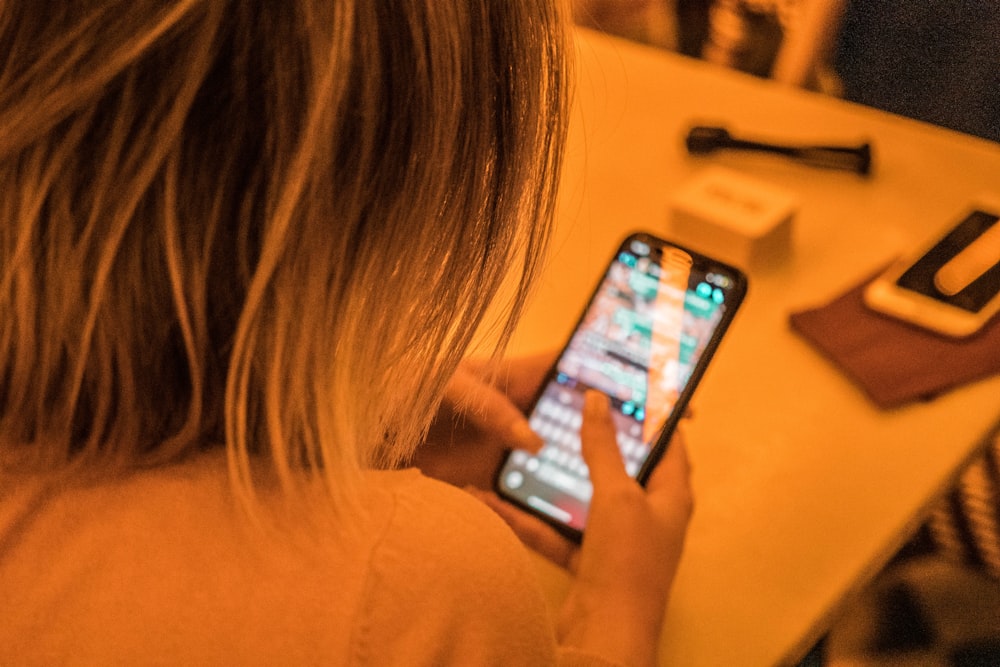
column 803, row 488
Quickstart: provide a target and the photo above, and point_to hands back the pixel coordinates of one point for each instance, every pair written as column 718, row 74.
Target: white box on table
column 733, row 217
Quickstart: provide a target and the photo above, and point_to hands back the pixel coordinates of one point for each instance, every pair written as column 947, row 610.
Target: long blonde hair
column 270, row 224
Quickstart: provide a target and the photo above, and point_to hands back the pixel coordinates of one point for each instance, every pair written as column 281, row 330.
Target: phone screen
column 973, row 297
column 644, row 340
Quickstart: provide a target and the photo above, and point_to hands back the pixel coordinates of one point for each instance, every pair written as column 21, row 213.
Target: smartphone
column 644, row 340
column 951, row 285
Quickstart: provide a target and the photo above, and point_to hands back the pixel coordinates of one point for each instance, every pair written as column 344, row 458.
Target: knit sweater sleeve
column 449, row 584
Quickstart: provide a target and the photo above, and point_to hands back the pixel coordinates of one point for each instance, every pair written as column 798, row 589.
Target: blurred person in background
column 788, row 40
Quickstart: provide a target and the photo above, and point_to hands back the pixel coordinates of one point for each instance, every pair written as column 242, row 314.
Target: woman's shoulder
column 435, row 528
column 431, row 572
column 454, row 581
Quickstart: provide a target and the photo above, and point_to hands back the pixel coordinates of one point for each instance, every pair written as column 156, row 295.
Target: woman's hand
column 624, row 569
column 631, row 546
column 482, row 416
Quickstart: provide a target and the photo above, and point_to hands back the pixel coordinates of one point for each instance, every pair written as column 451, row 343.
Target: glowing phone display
column 644, row 340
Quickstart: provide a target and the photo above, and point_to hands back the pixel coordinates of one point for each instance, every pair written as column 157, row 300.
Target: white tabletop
column 803, row 488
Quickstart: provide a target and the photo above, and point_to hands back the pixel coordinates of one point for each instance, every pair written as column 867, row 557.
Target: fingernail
column 595, row 403
column 523, row 437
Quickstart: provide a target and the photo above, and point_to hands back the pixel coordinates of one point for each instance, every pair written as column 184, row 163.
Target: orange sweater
column 161, row 568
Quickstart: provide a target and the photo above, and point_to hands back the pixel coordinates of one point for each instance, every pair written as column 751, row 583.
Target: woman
column 244, row 247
